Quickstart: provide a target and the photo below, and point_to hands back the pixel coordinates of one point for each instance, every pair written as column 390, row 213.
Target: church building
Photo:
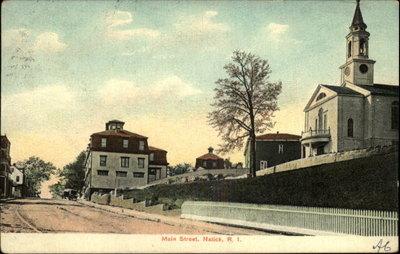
column 357, row 114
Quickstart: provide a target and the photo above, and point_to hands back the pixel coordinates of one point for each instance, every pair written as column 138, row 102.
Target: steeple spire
column 358, row 22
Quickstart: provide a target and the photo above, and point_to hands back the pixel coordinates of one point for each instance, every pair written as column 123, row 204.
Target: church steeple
column 358, row 69
column 358, row 22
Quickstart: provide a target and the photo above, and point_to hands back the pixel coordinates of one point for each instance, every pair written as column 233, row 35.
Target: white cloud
column 132, row 33
column 173, row 86
column 32, row 108
column 114, row 21
column 276, row 31
column 124, row 92
column 49, row 42
column 203, row 23
column 116, row 91
column 118, row 18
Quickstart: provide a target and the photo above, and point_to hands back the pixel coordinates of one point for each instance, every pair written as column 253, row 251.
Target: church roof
column 342, row 90
column 381, row 89
column 358, row 19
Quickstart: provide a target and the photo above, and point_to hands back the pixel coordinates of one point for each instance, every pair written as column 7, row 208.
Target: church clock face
column 363, row 68
column 347, row 71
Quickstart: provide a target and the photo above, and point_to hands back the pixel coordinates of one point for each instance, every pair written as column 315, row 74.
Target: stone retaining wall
column 119, row 201
column 325, row 159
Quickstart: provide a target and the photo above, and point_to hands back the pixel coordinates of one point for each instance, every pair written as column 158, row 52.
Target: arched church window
column 350, row 128
column 395, row 115
column 349, row 49
column 320, row 96
column 320, row 119
column 363, row 48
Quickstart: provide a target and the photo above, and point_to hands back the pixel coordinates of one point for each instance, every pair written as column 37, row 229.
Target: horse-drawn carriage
column 70, row 194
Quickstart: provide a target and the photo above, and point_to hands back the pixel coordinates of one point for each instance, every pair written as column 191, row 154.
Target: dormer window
column 104, row 142
column 141, row 145
column 125, row 143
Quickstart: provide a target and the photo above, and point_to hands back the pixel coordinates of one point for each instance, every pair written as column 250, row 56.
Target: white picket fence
column 342, row 221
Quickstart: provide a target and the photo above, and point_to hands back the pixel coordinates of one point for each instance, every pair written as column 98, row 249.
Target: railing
column 321, row 133
column 317, row 219
column 316, row 132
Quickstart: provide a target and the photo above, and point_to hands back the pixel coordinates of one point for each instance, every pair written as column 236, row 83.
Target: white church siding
column 383, row 134
column 351, row 107
column 357, row 102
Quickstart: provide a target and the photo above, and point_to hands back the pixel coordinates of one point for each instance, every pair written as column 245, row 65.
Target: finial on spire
column 358, row 22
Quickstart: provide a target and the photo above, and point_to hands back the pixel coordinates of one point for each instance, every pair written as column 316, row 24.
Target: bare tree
column 244, row 103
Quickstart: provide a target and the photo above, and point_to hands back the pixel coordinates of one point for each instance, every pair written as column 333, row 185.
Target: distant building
column 17, row 179
column 210, row 160
column 5, row 164
column 273, row 149
column 117, row 158
column 357, row 114
column 157, row 164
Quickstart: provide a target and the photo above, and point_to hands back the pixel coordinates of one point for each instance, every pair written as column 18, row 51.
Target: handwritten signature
column 380, row 246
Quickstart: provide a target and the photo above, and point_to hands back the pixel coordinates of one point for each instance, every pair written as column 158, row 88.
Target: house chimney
column 210, row 149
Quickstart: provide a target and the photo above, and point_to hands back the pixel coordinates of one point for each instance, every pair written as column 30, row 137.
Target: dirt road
column 48, row 215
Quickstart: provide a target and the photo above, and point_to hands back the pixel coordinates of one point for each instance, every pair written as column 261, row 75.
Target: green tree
column 73, row 174
column 56, row 189
column 36, row 172
column 244, row 103
column 180, row 168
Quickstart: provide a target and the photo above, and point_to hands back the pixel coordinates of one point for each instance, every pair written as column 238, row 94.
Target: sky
column 70, row 66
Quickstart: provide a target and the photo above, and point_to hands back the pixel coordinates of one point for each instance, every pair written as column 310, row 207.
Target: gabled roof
column 341, row 90
column 119, row 133
column 381, row 89
column 152, row 148
column 209, row 156
column 277, row 136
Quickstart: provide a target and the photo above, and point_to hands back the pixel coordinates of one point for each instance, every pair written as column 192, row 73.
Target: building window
column 321, row 96
column 204, row 163
column 325, row 122
column 151, row 157
column 103, row 142
column 138, row 174
column 320, row 119
column 103, row 160
column 122, row 173
column 350, row 128
column 125, row 162
column 349, row 49
column 141, row 145
column 214, row 164
column 125, row 143
column 316, row 124
column 17, row 179
column 140, row 162
column 363, row 48
column 263, row 164
column 395, row 115
column 280, row 148
column 102, row 172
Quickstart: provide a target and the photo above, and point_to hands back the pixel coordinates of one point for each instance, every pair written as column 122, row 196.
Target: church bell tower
column 358, row 69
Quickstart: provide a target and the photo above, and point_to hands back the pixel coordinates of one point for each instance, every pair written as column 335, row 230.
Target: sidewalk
column 176, row 221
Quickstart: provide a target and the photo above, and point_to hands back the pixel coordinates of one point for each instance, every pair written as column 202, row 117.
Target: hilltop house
column 210, row 160
column 357, row 114
column 117, row 158
column 273, row 149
